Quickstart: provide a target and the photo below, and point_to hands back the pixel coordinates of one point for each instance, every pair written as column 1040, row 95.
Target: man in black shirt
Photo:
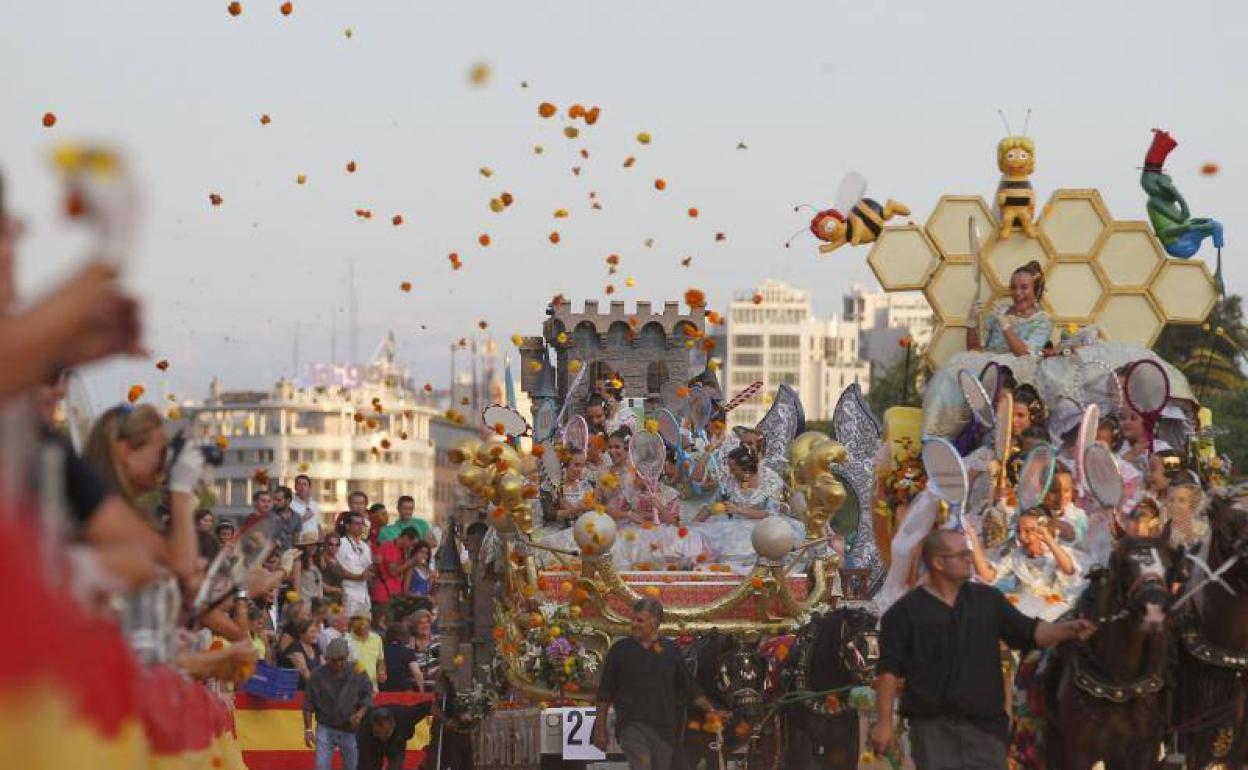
column 383, row 735
column 943, row 638
column 646, row 680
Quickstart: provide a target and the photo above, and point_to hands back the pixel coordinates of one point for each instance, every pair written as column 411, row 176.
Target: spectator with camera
column 356, row 559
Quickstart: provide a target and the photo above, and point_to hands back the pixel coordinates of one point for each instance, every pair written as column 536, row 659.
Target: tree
column 886, row 389
column 1230, row 414
column 1209, row 355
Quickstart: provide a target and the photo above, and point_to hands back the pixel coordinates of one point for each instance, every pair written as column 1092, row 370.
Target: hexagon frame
column 939, row 331
column 1176, row 267
column 1143, row 229
column 1093, row 200
column 1016, row 241
column 1108, row 299
column 955, row 314
column 1052, row 289
column 956, row 247
column 895, row 233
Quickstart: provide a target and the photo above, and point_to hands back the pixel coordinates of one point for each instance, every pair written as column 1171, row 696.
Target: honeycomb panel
column 1130, row 256
column 903, row 258
column 1004, row 257
column 952, row 289
column 1184, row 291
column 1073, row 223
column 947, row 226
column 1072, row 292
column 946, row 342
column 1129, row 318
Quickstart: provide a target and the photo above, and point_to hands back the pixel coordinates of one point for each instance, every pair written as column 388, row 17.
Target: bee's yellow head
column 1016, row 156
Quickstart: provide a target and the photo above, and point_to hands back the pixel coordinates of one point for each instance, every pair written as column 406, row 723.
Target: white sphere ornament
column 772, row 538
column 594, row 532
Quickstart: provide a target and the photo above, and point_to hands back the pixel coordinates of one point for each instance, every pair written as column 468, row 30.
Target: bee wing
column 852, row 188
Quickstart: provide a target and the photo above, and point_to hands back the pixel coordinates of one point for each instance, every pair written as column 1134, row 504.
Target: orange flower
column 833, row 703
column 286, row 8
column 683, row 532
column 406, row 286
column 538, row 450
column 660, row 185
column 613, row 259
column 1053, row 599
column 652, row 591
column 571, row 132
column 629, row 161
column 265, row 119
column 554, row 236
column 694, row 298
column 702, row 557
column 1208, row 169
column 162, row 364
column 682, row 392
column 546, row 109
column 742, row 729
column 396, row 220
column 235, row 8
column 350, row 167
column 135, row 393
column 782, row 652
column 454, row 257
column 713, row 318
column 757, row 299
column 499, row 633
column 484, row 239
column 693, row 213
column 507, row 198
column 708, row 345
column 905, row 341
column 215, row 199
column 756, row 582
column 610, row 289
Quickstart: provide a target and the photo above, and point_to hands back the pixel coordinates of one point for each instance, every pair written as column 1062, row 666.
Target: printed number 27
column 577, row 719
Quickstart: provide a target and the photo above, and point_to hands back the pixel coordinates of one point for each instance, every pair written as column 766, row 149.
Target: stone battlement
column 670, row 318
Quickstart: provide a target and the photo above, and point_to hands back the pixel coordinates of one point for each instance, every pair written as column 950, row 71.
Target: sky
column 906, row 93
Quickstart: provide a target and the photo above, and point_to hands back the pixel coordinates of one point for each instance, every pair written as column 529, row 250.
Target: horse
column 731, row 674
column 835, row 650
column 1103, row 698
column 1210, row 718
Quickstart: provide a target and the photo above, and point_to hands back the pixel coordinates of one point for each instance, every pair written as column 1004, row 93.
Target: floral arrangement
column 551, row 655
column 906, row 479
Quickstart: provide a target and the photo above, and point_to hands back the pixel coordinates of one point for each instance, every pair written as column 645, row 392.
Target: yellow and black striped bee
column 1016, row 200
column 863, row 221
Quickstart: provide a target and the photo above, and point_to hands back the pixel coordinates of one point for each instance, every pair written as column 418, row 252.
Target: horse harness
column 1200, row 648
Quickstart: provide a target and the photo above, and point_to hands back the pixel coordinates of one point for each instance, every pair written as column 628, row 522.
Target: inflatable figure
column 1178, row 231
column 854, row 219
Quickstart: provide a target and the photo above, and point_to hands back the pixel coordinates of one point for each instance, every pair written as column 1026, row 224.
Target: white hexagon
column 947, row 341
column 1004, row 257
column 1129, row 318
column 1184, row 291
column 1130, row 256
column 1073, row 222
column 903, row 258
column 1072, row 290
column 947, row 226
column 951, row 291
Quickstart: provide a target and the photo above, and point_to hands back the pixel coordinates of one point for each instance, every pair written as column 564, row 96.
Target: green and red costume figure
column 1178, row 231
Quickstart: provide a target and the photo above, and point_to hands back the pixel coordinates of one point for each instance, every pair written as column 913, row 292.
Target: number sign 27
column 578, row 726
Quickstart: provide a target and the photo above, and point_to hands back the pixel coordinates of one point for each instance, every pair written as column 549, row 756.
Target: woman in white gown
column 748, row 492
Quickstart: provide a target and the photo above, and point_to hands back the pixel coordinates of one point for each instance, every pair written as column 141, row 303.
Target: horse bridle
column 1137, row 585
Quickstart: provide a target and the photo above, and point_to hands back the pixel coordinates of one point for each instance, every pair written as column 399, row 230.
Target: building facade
column 373, row 434
column 884, row 318
column 774, row 337
column 447, row 435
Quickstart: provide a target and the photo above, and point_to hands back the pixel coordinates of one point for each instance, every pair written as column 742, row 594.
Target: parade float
column 549, row 614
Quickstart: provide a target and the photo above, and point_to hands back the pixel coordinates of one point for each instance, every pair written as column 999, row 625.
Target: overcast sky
column 905, row 92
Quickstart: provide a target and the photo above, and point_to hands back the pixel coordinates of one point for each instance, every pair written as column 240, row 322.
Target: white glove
column 1001, row 312
column 977, row 310
column 187, row 470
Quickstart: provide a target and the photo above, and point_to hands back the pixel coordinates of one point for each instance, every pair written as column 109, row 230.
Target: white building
column 778, row 340
column 369, row 433
column 886, row 317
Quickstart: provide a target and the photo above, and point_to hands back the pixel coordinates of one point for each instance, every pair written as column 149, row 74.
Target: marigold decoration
column 742, row 729
column 215, row 199
column 405, row 287
column 49, row 119
column 905, row 341
column 652, row 591
column 222, row 442
column 135, row 393
column 538, row 450
column 571, row 132
column 454, row 258
column 301, row 179
column 757, row 299
column 486, row 171
column 629, row 161
column 660, row 184
column 693, row 213
column 351, row 167
column 643, row 138
column 265, row 119
column 546, row 110
column 1210, row 169
column 683, row 532
column 756, row 583
column 479, row 74
column 483, row 239
column 554, row 236
column 652, row 425
column 694, row 298
column 286, row 9
column 162, row 365
column 708, row 345
column 234, row 8
column 396, row 220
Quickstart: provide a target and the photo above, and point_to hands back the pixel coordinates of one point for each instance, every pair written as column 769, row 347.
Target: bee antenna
column 801, row 206
column 1005, row 122
column 1026, row 121
column 794, row 235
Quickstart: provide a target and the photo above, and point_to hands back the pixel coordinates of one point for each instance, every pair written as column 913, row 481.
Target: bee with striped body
column 1016, row 199
column 863, row 221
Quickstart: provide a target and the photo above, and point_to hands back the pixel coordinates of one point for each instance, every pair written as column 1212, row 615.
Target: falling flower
column 215, row 199
column 49, row 119
column 561, row 213
column 265, row 119
column 507, row 198
column 350, row 167
column 629, row 282
column 610, row 289
column 1208, row 169
column 483, row 239
column 538, row 149
column 286, row 8
column 643, row 138
column 479, row 74
column 652, row 591
column 660, row 185
column 364, row 213
column 497, row 205
column 686, row 261
column 757, row 299
column 693, row 213
column 174, row 413
column 562, row 338
column 454, row 257
column 629, row 161
column 517, row 340
column 554, row 236
column 486, row 171
column 585, row 155
column 591, row 115
column 574, row 365
column 234, row 8
column 135, row 393
column 406, row 286
column 571, row 132
column 301, row 179
column 348, row 32
column 695, row 298
column 720, row 237
column 546, row 109
column 483, row 325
